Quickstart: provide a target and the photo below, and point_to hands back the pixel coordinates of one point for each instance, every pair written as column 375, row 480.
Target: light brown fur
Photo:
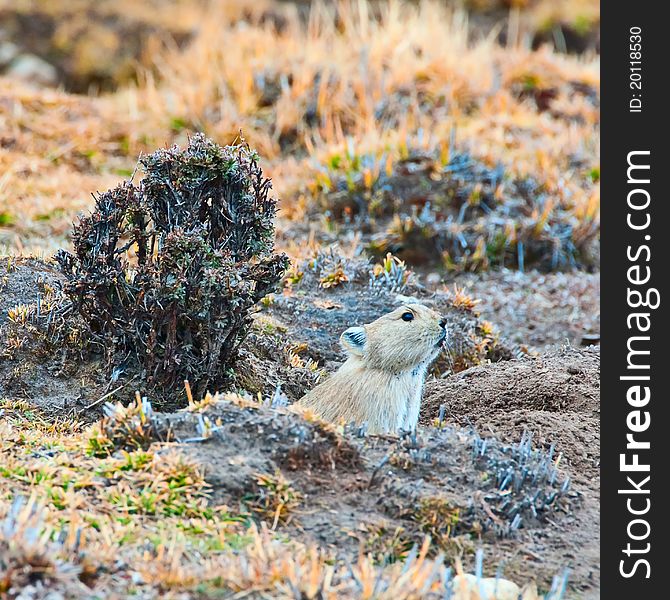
column 382, row 380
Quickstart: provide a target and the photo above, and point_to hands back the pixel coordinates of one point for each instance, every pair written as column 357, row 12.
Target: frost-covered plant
column 166, row 272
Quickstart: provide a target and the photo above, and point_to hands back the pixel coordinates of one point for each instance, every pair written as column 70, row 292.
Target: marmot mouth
column 441, row 342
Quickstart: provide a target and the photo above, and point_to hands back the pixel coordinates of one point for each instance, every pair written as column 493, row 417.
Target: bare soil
column 51, row 382
column 539, row 310
column 19, row 278
column 555, row 396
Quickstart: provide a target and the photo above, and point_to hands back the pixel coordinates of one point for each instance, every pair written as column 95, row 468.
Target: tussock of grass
column 124, row 428
column 274, row 499
column 446, row 206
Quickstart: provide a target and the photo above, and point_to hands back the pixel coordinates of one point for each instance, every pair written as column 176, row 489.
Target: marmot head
column 403, row 339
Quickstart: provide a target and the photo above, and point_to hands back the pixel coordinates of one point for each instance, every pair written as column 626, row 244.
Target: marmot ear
column 353, row 340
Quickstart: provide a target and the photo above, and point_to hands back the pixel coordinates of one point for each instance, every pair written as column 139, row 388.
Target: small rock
column 136, row 578
column 488, row 588
column 8, row 52
column 33, row 69
column 590, row 339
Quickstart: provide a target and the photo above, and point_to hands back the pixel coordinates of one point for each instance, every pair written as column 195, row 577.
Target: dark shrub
column 166, row 273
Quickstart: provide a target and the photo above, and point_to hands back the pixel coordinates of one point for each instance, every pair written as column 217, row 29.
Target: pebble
column 8, row 52
column 33, row 69
column 466, row 587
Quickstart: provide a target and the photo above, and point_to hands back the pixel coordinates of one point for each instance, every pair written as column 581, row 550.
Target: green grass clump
column 129, row 427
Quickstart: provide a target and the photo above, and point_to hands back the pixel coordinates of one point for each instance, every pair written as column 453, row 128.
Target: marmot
column 382, row 379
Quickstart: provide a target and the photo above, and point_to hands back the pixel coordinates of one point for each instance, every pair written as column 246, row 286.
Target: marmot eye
column 407, row 316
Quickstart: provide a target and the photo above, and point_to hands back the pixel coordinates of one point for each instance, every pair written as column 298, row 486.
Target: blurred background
column 87, row 46
column 459, row 136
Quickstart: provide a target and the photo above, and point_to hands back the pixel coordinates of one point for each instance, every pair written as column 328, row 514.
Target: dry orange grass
column 300, row 92
column 55, row 150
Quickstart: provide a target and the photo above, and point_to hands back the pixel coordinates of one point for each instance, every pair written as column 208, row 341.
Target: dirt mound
column 254, row 439
column 314, row 313
column 556, row 399
column 555, row 396
column 383, row 494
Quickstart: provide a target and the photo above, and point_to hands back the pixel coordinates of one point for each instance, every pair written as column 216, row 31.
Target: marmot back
column 382, row 380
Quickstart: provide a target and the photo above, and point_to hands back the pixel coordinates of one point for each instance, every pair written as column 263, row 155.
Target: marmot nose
column 443, row 323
